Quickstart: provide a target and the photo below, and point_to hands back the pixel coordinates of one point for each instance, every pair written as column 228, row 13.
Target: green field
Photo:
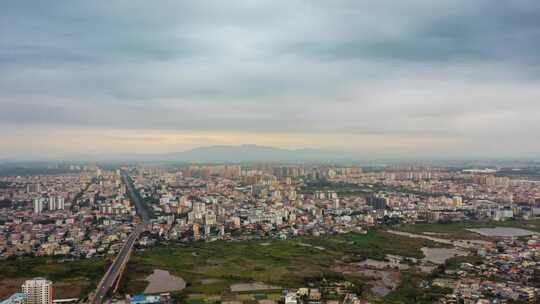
column 458, row 230
column 455, row 262
column 71, row 278
column 409, row 291
column 348, row 190
column 285, row 263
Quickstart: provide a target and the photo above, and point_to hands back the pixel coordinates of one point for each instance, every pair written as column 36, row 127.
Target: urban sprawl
column 87, row 213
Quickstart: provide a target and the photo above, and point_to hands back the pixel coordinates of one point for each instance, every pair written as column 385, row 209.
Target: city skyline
column 147, row 233
column 422, row 79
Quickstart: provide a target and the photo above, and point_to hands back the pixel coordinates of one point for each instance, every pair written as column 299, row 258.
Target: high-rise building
column 52, row 203
column 55, row 203
column 38, row 291
column 33, row 188
column 199, row 208
column 38, row 205
column 222, row 230
column 457, row 200
column 378, row 202
column 236, row 222
column 196, row 233
column 60, row 203
column 209, row 219
column 336, row 203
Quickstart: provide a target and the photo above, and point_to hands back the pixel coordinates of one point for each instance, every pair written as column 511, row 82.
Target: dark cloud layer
column 459, row 69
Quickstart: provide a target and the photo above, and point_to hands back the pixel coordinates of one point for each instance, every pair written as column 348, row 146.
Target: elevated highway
column 112, row 277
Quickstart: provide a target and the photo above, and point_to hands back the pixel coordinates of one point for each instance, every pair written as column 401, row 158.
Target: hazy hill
column 254, row 153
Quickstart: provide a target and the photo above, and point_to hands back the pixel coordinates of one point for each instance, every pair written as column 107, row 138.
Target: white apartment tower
column 38, row 291
column 56, row 203
column 38, row 205
column 52, row 203
column 60, row 203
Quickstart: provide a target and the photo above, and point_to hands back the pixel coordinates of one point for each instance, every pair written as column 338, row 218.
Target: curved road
column 116, row 268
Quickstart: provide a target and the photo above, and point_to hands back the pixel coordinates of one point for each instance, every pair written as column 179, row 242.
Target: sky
column 417, row 78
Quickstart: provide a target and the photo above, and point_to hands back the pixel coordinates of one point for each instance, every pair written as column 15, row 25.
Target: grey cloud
column 438, row 68
column 483, row 31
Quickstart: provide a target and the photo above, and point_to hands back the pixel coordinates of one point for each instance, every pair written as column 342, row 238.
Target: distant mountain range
column 254, row 153
column 263, row 154
column 218, row 154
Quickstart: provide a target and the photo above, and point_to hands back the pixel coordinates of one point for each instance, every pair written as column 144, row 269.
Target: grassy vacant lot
column 347, row 190
column 342, row 189
column 287, row 263
column 455, row 262
column 71, row 278
column 458, row 230
column 409, row 291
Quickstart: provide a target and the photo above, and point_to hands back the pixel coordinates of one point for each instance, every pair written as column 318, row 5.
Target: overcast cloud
column 445, row 78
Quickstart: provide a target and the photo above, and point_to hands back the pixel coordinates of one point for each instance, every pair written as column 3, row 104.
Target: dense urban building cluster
column 230, row 201
column 71, row 215
column 507, row 271
column 88, row 213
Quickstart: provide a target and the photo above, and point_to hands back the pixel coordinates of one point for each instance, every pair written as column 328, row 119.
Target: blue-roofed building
column 142, row 299
column 16, row 298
